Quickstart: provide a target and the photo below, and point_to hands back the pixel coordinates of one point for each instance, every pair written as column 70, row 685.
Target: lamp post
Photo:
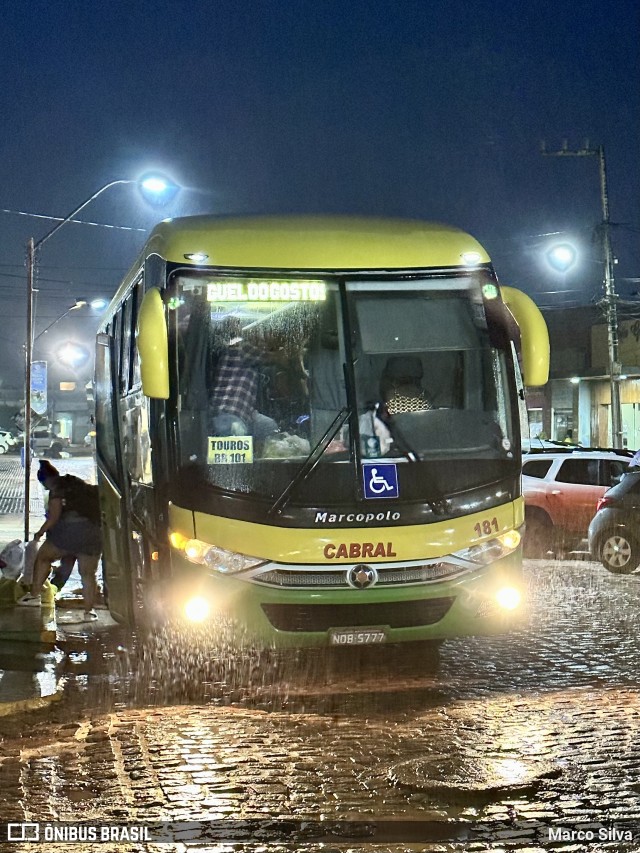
column 561, row 257
column 79, row 303
column 40, row 376
column 72, row 355
column 154, row 188
column 610, row 296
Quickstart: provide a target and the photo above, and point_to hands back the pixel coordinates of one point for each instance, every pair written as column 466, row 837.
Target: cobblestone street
column 378, row 737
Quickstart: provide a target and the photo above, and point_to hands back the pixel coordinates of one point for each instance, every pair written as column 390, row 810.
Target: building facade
column 576, row 403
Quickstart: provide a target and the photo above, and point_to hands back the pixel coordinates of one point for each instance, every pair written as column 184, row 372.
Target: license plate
column 357, row 636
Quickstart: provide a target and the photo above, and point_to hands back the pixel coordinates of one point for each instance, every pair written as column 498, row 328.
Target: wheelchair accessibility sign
column 380, row 480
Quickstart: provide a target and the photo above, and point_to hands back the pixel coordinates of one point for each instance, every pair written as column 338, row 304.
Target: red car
column 561, row 489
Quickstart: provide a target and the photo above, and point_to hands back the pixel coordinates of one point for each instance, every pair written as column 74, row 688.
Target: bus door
column 142, row 518
column 116, row 560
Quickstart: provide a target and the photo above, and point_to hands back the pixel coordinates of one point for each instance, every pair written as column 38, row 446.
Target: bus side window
column 135, row 356
column 105, row 415
column 136, row 439
column 125, row 346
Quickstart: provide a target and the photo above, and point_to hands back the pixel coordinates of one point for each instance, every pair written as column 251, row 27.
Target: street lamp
column 38, row 382
column 155, row 189
column 561, row 257
column 79, row 303
column 73, row 355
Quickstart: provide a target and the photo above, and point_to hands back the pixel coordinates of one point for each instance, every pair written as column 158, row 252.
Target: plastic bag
column 375, row 438
column 17, row 560
column 30, row 553
column 283, row 446
column 12, row 559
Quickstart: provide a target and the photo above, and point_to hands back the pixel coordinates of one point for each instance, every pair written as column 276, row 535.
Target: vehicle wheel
column 618, row 553
column 538, row 536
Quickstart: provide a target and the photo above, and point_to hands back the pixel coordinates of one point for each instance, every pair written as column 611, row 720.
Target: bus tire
column 538, row 537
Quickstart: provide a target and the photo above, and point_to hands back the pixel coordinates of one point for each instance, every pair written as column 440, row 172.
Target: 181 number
column 484, row 528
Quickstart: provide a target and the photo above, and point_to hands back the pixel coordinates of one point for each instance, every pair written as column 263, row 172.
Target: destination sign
column 230, row 450
column 265, row 290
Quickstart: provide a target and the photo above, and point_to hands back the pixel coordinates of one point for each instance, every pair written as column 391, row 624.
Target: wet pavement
column 38, row 634
column 12, row 486
column 529, row 741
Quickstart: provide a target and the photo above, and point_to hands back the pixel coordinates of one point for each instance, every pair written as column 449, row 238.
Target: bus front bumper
column 485, row 602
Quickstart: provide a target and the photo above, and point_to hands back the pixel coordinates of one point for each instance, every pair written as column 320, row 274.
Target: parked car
column 529, row 444
column 41, row 440
column 44, row 442
column 8, row 441
column 614, row 532
column 561, row 489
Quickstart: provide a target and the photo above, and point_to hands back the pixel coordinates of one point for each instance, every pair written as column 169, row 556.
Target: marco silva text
column 602, row 833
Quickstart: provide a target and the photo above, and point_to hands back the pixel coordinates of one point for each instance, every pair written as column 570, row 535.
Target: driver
column 401, row 386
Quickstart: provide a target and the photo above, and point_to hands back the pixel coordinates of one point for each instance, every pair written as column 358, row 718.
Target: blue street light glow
column 154, row 185
column 72, row 355
column 561, row 257
column 157, row 189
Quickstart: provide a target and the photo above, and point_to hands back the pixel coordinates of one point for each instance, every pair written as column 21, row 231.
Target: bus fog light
column 197, row 609
column 509, row 597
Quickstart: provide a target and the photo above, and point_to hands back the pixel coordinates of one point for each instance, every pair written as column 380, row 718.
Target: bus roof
column 313, row 242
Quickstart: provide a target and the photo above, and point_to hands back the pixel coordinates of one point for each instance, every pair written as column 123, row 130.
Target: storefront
column 576, row 403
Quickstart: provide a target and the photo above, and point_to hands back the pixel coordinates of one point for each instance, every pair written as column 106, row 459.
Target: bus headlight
column 197, row 609
column 493, row 549
column 508, row 597
column 218, row 559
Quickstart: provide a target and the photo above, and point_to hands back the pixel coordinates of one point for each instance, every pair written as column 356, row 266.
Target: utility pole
column 156, row 189
column 28, row 356
column 610, row 296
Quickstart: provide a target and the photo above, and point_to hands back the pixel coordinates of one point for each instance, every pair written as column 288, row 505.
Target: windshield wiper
column 439, row 503
column 304, row 472
column 403, row 445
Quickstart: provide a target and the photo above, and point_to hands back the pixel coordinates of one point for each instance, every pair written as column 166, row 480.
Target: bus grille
column 396, row 576
column 321, row 617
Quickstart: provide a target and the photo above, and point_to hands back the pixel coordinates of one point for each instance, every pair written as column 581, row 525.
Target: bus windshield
column 271, row 371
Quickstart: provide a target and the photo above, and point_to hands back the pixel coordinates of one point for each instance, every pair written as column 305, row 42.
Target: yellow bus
column 309, row 431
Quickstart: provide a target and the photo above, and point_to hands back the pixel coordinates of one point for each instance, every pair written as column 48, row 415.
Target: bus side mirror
column 534, row 336
column 153, row 346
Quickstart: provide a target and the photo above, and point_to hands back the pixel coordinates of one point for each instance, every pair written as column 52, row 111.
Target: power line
column 66, row 267
column 76, row 221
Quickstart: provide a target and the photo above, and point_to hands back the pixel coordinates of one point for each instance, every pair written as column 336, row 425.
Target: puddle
column 473, row 776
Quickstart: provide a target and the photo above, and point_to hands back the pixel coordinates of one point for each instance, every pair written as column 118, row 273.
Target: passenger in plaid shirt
column 235, row 393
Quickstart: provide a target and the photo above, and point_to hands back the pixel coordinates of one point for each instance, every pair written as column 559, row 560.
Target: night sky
column 432, row 109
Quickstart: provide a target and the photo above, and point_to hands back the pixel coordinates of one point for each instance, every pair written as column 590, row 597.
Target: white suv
column 561, row 489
